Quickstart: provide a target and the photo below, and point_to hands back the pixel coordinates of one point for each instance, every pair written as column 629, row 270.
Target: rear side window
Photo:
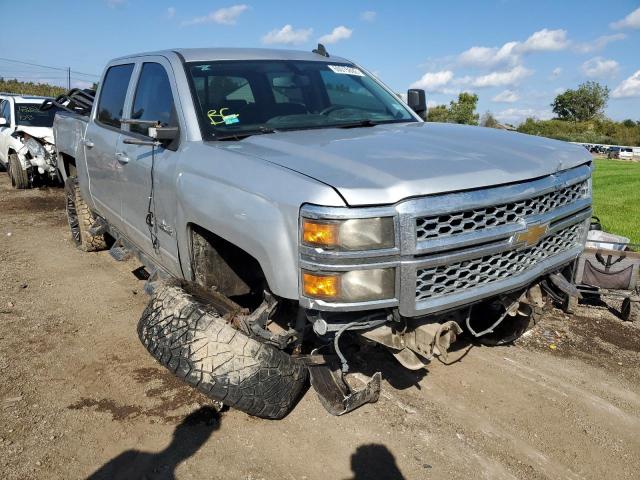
column 153, row 98
column 6, row 111
column 113, row 94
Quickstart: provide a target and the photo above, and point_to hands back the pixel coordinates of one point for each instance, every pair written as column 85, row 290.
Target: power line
column 47, row 66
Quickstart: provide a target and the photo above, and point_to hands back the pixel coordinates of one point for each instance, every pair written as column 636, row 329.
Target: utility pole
column 68, row 78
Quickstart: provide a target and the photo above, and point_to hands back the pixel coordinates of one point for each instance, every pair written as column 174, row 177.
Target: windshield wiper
column 360, row 123
column 244, row 134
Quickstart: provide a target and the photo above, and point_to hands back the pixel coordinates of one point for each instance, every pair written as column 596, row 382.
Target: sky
column 515, row 55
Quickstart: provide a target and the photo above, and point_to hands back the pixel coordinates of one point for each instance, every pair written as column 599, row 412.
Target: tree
column 585, row 103
column 464, row 110
column 488, row 120
column 439, row 113
column 461, row 111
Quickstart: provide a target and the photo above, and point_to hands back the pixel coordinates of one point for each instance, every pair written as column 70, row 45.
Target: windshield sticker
column 221, row 117
column 346, row 70
column 204, row 68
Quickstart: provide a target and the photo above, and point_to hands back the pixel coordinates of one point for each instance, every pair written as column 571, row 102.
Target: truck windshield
column 30, row 115
column 236, row 97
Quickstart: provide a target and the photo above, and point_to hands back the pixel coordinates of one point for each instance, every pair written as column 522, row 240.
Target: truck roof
column 211, row 54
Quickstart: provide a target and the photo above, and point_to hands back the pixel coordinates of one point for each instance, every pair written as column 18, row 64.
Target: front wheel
column 80, row 219
column 195, row 341
column 19, row 177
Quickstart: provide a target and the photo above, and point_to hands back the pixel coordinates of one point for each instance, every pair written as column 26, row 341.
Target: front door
column 105, row 169
column 149, row 198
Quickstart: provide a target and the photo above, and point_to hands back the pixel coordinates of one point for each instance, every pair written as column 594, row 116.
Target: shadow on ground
column 374, row 462
column 188, row 437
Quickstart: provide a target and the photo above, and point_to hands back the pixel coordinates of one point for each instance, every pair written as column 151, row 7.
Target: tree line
column 30, row 88
column 579, row 117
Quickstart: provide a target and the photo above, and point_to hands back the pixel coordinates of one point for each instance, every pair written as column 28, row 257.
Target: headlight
column 353, row 234
column 35, row 148
column 353, row 286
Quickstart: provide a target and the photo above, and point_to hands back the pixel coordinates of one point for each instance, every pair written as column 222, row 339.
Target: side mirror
column 3, row 122
column 164, row 134
column 417, row 100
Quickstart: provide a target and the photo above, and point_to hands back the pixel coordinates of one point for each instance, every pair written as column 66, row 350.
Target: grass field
column 616, row 197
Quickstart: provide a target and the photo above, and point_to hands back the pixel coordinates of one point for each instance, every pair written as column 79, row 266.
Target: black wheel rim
column 72, row 216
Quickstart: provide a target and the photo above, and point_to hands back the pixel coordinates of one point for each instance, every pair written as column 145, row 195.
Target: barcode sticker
column 346, row 70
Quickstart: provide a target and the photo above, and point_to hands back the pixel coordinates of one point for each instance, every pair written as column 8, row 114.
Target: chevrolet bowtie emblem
column 532, row 235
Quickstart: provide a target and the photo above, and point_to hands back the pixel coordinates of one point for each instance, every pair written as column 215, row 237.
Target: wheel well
column 216, row 262
column 68, row 163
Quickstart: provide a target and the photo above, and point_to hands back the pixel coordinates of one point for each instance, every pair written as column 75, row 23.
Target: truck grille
column 486, row 217
column 457, row 277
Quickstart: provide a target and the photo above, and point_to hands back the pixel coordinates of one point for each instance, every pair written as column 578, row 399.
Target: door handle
column 122, row 157
column 88, row 143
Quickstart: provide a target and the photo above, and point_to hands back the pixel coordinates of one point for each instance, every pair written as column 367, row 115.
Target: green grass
column 616, row 197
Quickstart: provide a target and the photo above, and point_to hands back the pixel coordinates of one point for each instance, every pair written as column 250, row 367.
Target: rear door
column 103, row 133
column 149, row 176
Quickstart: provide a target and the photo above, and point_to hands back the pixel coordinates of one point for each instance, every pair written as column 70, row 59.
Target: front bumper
column 443, row 271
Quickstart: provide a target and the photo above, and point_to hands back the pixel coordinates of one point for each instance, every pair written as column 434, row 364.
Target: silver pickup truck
column 292, row 212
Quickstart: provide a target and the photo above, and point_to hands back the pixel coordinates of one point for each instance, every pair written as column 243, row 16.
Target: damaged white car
column 26, row 141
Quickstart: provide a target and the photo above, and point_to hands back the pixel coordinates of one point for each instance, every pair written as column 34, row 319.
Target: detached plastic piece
column 335, row 394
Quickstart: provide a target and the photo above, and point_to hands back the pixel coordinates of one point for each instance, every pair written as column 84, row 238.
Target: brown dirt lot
column 78, row 391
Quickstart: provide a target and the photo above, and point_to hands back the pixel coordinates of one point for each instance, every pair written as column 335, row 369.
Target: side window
column 287, row 88
column 113, row 94
column 5, row 111
column 153, row 99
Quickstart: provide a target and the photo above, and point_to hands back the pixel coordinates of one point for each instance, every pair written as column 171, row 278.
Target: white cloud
column 223, row 16
column 510, row 54
column 171, row 12
column 499, row 79
column 337, row 34
column 490, row 56
column 506, row 96
column 368, row 16
column 287, row 35
column 629, row 87
column 518, row 115
column 545, row 40
column 630, row 21
column 556, row 72
column 600, row 67
column 434, row 81
column 599, row 43
column 115, row 3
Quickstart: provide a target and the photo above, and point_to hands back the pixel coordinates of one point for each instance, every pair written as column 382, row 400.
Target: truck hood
column 42, row 133
column 387, row 163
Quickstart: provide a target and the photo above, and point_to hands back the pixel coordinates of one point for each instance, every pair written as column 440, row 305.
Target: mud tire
column 19, row 177
column 80, row 219
column 199, row 346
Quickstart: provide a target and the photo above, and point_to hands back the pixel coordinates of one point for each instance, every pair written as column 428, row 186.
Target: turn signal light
column 320, row 286
column 319, row 234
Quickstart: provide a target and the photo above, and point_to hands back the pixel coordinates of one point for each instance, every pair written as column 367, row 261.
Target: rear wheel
column 19, row 177
column 80, row 219
column 630, row 310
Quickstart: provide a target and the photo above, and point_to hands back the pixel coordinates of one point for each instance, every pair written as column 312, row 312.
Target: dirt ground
column 80, row 396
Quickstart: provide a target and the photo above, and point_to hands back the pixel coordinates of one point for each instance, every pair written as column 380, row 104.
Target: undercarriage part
column 80, row 219
column 119, row 252
column 416, row 344
column 334, row 393
column 192, row 337
column 258, row 324
column 504, row 319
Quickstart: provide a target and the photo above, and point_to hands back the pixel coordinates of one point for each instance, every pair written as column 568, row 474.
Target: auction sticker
column 346, row 70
